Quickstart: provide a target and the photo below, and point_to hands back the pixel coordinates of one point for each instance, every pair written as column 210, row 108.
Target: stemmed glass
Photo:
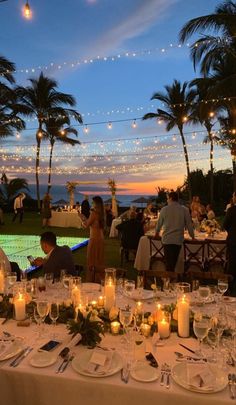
column 129, row 287
column 42, row 310
column 201, row 326
column 126, row 318
column 204, row 292
column 140, row 285
column 222, row 286
column 54, row 314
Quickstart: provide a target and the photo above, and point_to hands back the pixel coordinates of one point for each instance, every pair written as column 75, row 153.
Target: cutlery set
column 165, row 372
column 24, row 353
column 125, row 373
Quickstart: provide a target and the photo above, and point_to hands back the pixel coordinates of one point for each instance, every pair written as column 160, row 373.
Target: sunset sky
column 127, row 50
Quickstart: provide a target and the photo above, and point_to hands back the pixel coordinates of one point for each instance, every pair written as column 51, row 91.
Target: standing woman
column 46, row 209
column 95, row 251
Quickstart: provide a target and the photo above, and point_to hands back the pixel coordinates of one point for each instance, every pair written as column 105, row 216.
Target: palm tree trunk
column 38, row 142
column 50, row 167
column 234, row 173
column 187, row 163
column 211, row 168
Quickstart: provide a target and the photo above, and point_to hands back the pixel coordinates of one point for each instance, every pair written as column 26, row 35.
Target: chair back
column 194, row 254
column 156, row 251
column 217, row 255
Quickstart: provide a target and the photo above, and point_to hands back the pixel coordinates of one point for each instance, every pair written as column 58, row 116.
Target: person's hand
column 15, row 211
column 38, row 261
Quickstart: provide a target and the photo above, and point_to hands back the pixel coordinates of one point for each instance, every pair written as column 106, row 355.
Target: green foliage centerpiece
column 89, row 326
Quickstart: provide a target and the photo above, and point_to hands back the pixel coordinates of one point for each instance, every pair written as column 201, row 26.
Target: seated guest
column 10, row 266
column 131, row 231
column 210, row 212
column 57, row 257
column 127, row 214
column 148, row 211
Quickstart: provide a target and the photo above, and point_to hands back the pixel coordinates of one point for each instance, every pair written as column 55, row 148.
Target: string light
column 27, row 12
column 86, row 130
column 109, row 125
column 134, row 124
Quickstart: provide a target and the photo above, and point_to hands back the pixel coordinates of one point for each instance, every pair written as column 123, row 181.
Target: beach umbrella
column 141, row 200
column 61, row 202
column 109, row 201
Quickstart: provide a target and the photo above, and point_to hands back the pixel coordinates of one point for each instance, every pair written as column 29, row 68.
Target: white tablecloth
column 142, row 259
column 26, row 385
column 65, row 219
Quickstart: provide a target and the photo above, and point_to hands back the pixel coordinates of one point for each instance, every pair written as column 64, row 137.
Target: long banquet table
column 117, row 221
column 26, row 385
column 142, row 259
column 65, row 219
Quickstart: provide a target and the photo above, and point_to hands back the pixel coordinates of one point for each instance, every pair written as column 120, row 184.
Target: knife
column 187, row 348
column 18, row 357
column 26, row 352
column 63, row 368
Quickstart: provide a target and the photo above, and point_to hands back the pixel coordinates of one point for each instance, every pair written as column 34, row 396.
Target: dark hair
column 99, row 208
column 49, row 237
column 174, row 196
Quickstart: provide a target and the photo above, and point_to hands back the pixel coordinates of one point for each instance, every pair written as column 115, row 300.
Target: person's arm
column 228, row 219
column 159, row 225
column 15, row 203
column 87, row 222
column 188, row 223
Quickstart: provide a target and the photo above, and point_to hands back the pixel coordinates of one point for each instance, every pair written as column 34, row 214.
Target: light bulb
column 86, row 130
column 134, row 124
column 109, row 126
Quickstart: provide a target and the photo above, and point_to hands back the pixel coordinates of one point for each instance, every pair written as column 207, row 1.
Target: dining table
column 143, row 255
column 31, row 383
column 65, row 219
column 150, row 225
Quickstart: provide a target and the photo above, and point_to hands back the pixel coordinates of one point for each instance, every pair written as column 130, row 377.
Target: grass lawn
column 32, row 226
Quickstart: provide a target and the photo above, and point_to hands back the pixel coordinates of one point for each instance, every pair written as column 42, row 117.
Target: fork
column 168, row 372
column 163, row 370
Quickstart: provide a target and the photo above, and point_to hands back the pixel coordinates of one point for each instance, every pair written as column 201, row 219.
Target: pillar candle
column 19, row 303
column 110, row 296
column 163, row 329
column 2, row 281
column 75, row 296
column 158, row 314
column 139, row 307
column 183, row 317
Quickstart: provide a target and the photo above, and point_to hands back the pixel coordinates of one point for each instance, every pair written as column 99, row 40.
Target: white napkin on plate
column 200, row 376
column 99, row 362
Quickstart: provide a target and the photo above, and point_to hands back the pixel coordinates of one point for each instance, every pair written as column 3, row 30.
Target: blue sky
column 63, row 32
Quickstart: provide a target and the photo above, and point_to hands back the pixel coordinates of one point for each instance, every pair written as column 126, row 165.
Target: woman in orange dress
column 95, row 250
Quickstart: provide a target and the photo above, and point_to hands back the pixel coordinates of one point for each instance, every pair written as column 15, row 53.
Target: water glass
column 49, row 280
column 54, row 314
column 204, row 293
column 126, row 317
column 201, row 326
column 222, row 286
column 129, row 287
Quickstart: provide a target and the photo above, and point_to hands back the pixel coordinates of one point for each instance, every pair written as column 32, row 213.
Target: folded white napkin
column 76, row 339
column 200, row 376
column 99, row 362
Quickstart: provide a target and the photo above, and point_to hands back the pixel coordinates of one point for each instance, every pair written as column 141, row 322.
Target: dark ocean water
column 59, row 192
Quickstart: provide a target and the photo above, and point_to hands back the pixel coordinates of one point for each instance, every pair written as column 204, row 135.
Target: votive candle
column 164, row 328
column 145, row 329
column 115, row 327
column 101, row 301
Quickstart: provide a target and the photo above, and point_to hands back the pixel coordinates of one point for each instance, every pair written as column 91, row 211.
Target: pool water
column 18, row 247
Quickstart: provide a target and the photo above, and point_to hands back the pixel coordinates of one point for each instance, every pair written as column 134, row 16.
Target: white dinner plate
column 43, row 359
column 140, row 295
column 229, row 300
column 80, row 362
column 179, row 375
column 143, row 372
column 90, row 287
column 10, row 349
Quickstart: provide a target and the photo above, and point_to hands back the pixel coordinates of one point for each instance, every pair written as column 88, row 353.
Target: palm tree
column 55, row 131
column 204, row 114
column 10, row 107
column 177, row 99
column 210, row 48
column 10, row 188
column 44, row 101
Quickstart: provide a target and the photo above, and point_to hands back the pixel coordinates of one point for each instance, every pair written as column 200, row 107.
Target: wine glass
column 49, row 280
column 222, row 286
column 125, row 318
column 67, row 281
column 129, row 287
column 140, row 284
column 11, row 280
column 42, row 309
column 204, row 292
column 54, row 314
column 201, row 326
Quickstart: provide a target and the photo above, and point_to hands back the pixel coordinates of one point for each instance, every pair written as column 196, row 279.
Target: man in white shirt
column 173, row 220
column 18, row 207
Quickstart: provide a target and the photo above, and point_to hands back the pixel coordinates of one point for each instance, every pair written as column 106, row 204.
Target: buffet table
column 65, row 219
column 142, row 259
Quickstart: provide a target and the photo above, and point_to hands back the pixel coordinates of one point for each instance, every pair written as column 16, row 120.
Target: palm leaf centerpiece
column 89, row 326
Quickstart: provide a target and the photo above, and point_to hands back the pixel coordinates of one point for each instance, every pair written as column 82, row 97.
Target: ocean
column 59, row 192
